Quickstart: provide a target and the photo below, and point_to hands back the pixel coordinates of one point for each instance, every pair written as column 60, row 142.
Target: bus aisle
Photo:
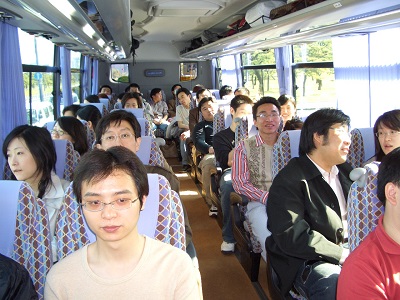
column 222, row 275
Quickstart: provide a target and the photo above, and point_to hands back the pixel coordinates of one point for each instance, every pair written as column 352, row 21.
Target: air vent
column 6, row 15
column 184, row 8
column 46, row 34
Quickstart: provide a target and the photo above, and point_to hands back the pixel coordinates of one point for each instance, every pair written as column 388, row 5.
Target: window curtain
column 239, row 77
column 229, row 76
column 367, row 71
column 87, row 76
column 283, row 60
column 213, row 73
column 65, row 57
column 95, row 77
column 12, row 98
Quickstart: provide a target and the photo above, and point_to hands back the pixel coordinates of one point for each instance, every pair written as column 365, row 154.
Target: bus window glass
column 36, row 50
column 187, row 71
column 120, row 73
column 42, row 99
column 320, row 51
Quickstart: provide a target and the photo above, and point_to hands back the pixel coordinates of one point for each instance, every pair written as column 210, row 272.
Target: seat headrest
column 359, row 175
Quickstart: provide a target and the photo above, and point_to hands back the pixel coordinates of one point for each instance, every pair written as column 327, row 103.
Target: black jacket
column 304, row 218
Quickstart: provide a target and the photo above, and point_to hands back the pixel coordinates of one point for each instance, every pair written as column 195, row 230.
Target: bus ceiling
column 106, row 29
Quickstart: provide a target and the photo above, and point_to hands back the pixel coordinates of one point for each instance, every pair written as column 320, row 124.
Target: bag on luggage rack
column 291, row 8
column 259, row 13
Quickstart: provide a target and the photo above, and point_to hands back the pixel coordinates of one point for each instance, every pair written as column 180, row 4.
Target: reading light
column 101, row 42
column 63, row 7
column 88, row 30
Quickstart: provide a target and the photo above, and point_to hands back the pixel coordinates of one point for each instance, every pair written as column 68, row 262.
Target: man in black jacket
column 306, row 209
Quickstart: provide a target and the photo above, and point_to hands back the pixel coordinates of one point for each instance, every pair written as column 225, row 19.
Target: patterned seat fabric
column 362, row 146
column 285, row 148
column 31, row 241
column 70, row 230
column 177, row 229
column 67, row 159
column 145, row 127
column 89, row 133
column 222, row 118
column 363, row 207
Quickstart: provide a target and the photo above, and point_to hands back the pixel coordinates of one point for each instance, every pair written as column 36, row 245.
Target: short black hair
column 389, row 171
column 105, row 86
column 239, row 100
column 294, row 124
column 132, row 85
column 205, row 100
column 92, row 99
column 128, row 96
column 201, row 91
column 265, row 100
column 77, row 131
column 90, row 113
column 225, row 90
column 154, row 91
column 283, row 99
column 116, row 117
column 72, row 108
column 174, row 86
column 183, row 90
column 319, row 122
column 99, row 164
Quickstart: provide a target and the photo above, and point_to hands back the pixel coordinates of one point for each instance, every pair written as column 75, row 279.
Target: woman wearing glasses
column 387, row 134
column 31, row 155
column 70, row 128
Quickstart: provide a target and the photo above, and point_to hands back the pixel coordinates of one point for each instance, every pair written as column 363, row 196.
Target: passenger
column 121, row 263
column 372, row 269
column 293, row 124
column 182, row 117
column 131, row 100
column 226, row 92
column 224, row 144
column 90, row 114
column 306, row 207
column 32, row 157
column 71, row 110
column 251, row 168
column 105, row 89
column 194, row 112
column 135, row 88
column 242, row 91
column 92, row 99
column 387, row 134
column 160, row 111
column 202, row 138
column 172, row 102
column 71, row 129
column 197, row 88
column 102, row 96
column 15, row 281
column 288, row 107
column 122, row 123
column 118, row 103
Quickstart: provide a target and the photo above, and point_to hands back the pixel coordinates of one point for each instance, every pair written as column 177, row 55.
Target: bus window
column 120, row 73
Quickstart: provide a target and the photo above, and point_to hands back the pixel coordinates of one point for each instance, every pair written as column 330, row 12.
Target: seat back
column 245, row 129
column 362, row 146
column 70, row 229
column 100, row 106
column 137, row 112
column 363, row 206
column 149, row 153
column 215, row 93
column 222, row 118
column 67, row 159
column 89, row 133
column 285, row 148
column 106, row 102
column 25, row 231
column 145, row 128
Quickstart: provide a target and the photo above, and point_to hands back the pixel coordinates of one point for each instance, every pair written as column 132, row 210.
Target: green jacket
column 304, row 218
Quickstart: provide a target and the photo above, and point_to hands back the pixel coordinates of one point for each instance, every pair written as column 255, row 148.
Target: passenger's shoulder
column 68, row 264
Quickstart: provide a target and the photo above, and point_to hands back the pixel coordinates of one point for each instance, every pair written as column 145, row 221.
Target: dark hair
column 283, row 99
column 105, row 86
column 319, row 122
column 183, row 90
column 242, row 90
column 265, row 100
column 77, row 131
column 201, row 91
column 120, row 96
column 389, row 171
column 92, row 99
column 39, row 142
column 135, row 85
column 116, row 117
column 198, row 87
column 99, row 164
column 128, row 96
column 174, row 86
column 102, row 96
column 205, row 100
column 72, row 108
column 154, row 91
column 239, row 100
column 391, row 120
column 225, row 90
column 294, row 124
column 90, row 113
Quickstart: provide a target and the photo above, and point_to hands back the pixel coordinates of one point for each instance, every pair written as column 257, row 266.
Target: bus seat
column 363, row 206
column 177, row 230
column 117, row 105
column 215, row 93
column 362, row 146
column 245, row 129
column 70, row 230
column 149, row 153
column 67, row 159
column 106, row 103
column 145, row 128
column 100, row 106
column 137, row 112
column 89, row 133
column 25, row 231
column 49, row 125
column 285, row 148
column 222, row 118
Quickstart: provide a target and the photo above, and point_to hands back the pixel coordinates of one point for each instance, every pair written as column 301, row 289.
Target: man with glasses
column 307, row 209
column 251, row 168
column 112, row 187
